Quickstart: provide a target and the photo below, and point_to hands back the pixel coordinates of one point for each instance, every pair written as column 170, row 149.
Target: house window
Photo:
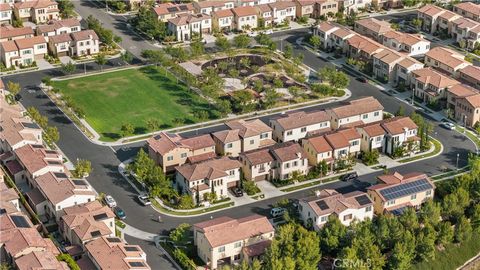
column 263, row 135
column 428, row 193
column 354, row 143
column 304, row 129
column 252, row 141
column 376, row 113
column 378, row 138
column 365, row 116
column 232, row 172
column 289, row 133
column 413, row 197
column 287, row 165
column 238, row 244
column 368, row 209
column 295, row 163
column 229, row 145
column 390, row 202
column 183, row 155
column 221, row 249
column 347, row 217
column 323, row 219
column 169, row 158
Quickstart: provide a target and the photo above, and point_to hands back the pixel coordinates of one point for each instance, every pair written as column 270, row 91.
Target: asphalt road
column 105, row 160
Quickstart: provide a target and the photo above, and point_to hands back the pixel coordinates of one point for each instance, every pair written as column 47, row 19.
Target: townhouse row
column 23, row 46
column 393, row 193
column 462, row 25
column 84, row 223
column 37, row 11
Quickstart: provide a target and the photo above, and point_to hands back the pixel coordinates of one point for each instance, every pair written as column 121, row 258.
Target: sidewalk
column 134, row 232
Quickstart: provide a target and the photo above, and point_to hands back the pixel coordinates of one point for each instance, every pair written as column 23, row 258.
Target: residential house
column 430, row 85
column 339, row 39
column 466, row 31
column 468, row 10
column 23, row 52
column 207, row 7
column 54, row 191
column 18, row 131
column 228, row 142
column 325, row 8
column 40, row 260
column 185, row 25
column 412, row 45
column 167, row 11
column 39, row 11
column 325, row 30
column 355, row 112
column 265, row 12
column 396, row 192
column 344, row 143
column 252, row 3
column 305, row 8
column 445, row 60
column 290, row 159
column 384, row 63
column 213, row 175
column 283, row 11
column 58, row 27
column 373, row 136
column 5, row 13
column 351, row 207
column 113, row 253
column 32, row 160
column 470, row 75
column 257, row 164
column 8, row 198
column 171, row 150
column 232, row 240
column 400, row 132
column 85, row 222
column 318, row 149
column 404, row 69
column 445, row 23
column 295, row 126
column 59, row 45
column 431, row 20
column 467, row 109
column 223, row 20
column 10, row 33
column 372, row 28
column 245, row 18
column 363, row 48
column 253, row 134
column 84, row 43
column 455, row 92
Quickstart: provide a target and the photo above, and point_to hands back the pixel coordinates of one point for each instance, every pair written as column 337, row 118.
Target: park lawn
column 112, row 99
column 454, row 255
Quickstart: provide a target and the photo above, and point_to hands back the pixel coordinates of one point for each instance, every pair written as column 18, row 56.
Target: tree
column 148, row 23
column 288, row 51
column 395, row 26
column 462, row 43
column 127, row 57
column 417, row 23
column 127, row 129
column 400, row 111
column 177, row 121
column 475, row 219
column 327, row 73
column 293, row 248
column 409, row 219
column 82, row 169
column 370, row 157
column 430, row 213
column 401, row 257
column 13, row 88
column 241, row 41
column 180, row 233
column 242, row 101
column 222, row 43
column 106, row 36
column 340, row 80
column 444, row 233
column 186, row 202
column 270, row 98
column 454, row 204
column 52, row 133
column 47, row 80
column 142, row 166
column 154, row 56
column 201, row 115
column 315, row 41
column 197, row 48
column 463, row 230
column 425, row 248
column 101, row 60
column 152, row 124
column 68, row 68
column 66, row 8
column 332, row 235
column 224, row 106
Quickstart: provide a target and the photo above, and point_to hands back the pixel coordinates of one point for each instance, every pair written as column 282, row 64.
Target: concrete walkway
column 269, row 190
column 134, row 232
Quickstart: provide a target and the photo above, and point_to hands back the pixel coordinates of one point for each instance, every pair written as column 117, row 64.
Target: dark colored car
column 119, row 212
column 362, row 79
column 237, row 192
column 349, row 176
column 18, row 97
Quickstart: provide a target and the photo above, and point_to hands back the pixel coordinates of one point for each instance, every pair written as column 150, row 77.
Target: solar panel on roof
column 100, row 216
column 363, row 200
column 50, row 151
column 183, row 8
column 398, row 211
column 136, row 264
column 2, row 211
column 79, row 182
column 406, row 189
column 127, row 248
column 171, row 9
column 30, row 125
column 37, row 146
column 157, row 137
column 113, row 240
column 322, row 205
column 20, row 221
column 53, row 162
column 95, row 233
column 60, row 174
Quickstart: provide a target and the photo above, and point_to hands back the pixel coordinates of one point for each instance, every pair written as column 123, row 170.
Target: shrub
column 69, row 260
column 250, row 188
column 183, row 259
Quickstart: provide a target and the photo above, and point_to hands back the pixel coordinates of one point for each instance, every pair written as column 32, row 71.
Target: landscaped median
column 158, row 206
column 450, row 174
column 469, row 134
column 438, row 148
column 310, row 184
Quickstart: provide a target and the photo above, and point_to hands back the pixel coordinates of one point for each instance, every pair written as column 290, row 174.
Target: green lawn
column 110, row 100
column 453, row 256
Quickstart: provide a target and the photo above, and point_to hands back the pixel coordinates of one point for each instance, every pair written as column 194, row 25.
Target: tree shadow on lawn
column 110, row 135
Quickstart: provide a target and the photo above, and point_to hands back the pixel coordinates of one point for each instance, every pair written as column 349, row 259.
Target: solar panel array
column 183, row 8
column 20, row 221
column 95, row 233
column 127, row 248
column 398, row 211
column 113, row 240
column 60, row 175
column 172, row 9
column 363, row 200
column 30, row 125
column 101, row 216
column 406, row 189
column 37, row 146
column 323, row 205
column 79, row 182
column 136, row 264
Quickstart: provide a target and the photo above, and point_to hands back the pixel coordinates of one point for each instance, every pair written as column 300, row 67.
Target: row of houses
column 36, row 11
column 23, row 46
column 462, row 25
column 56, row 197
column 393, row 193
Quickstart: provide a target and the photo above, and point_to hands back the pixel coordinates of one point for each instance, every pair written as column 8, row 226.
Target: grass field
column 110, row 100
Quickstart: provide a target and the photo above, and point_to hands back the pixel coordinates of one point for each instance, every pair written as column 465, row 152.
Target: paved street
column 105, row 160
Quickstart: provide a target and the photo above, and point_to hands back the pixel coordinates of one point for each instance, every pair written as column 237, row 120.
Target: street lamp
column 458, row 155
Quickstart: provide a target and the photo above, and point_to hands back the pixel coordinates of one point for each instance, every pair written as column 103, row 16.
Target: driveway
column 43, row 64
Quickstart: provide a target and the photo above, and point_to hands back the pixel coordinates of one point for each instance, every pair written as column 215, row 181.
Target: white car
column 110, row 201
column 144, row 200
column 448, row 125
column 253, row 34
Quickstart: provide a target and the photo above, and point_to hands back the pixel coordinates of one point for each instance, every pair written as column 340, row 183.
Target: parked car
column 349, row 176
column 110, row 201
column 119, row 212
column 448, row 125
column 237, row 191
column 362, row 79
column 277, row 211
column 144, row 199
